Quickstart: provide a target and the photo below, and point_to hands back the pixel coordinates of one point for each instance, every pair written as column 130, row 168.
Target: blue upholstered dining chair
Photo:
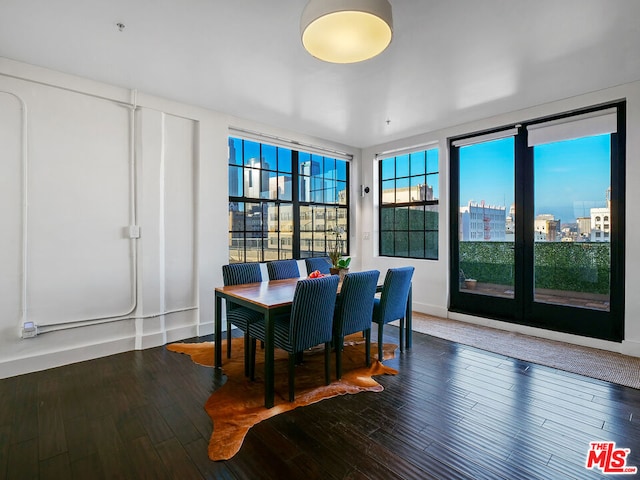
column 310, row 323
column 322, row 264
column 354, row 310
column 281, row 269
column 392, row 304
column 241, row 317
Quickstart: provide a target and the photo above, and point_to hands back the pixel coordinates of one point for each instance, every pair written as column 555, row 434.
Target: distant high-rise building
column 547, row 228
column 600, row 225
column 417, row 193
column 256, row 178
column 309, row 189
column 601, row 221
column 482, row 223
column 584, row 228
column 510, row 226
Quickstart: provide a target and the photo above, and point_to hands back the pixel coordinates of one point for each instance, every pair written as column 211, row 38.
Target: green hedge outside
column 569, row 266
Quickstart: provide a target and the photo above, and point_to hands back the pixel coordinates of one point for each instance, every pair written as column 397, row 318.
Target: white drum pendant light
column 346, row 31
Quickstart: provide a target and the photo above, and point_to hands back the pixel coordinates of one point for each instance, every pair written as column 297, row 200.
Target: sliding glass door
column 538, row 225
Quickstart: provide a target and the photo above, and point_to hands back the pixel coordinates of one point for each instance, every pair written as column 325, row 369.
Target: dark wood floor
column 452, row 412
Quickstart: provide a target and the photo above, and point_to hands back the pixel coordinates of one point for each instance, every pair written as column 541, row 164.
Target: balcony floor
column 558, row 297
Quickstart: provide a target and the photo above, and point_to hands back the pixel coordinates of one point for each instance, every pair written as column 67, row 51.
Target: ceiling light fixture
column 346, row 31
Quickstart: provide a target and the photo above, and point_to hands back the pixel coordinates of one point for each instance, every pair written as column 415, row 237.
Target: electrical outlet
column 29, row 330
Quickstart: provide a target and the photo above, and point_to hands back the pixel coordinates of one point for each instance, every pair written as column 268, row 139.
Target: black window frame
column 297, row 202
column 391, row 209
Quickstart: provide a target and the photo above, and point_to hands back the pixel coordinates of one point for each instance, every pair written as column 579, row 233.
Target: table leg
column 409, row 322
column 218, row 332
column 268, row 360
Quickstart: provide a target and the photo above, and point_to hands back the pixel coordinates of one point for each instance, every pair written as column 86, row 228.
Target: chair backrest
column 395, row 291
column 239, row 273
column 354, row 307
column 281, row 269
column 312, row 311
column 322, row 264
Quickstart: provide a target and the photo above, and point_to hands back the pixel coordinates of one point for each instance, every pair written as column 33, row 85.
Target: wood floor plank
column 55, row 468
column 80, row 439
column 25, row 408
column 7, row 400
column 5, row 442
column 175, row 459
column 154, row 424
column 179, row 423
column 197, row 452
column 23, row 461
column 112, row 452
column 145, row 461
column 87, row 467
column 51, row 433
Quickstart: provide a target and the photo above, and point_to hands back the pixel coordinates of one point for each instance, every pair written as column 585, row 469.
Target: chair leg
column 327, row 363
column 247, row 353
column 228, row 339
column 292, row 369
column 380, row 342
column 338, row 344
column 367, row 346
column 402, row 334
column 252, row 359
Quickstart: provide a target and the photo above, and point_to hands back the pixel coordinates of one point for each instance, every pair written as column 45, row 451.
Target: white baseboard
column 44, row 361
column 152, row 340
column 157, row 339
column 21, row 366
column 630, row 347
column 428, row 309
column 208, row 328
column 182, row 332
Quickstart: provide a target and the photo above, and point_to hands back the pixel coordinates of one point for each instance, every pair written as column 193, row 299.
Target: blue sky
column 571, row 176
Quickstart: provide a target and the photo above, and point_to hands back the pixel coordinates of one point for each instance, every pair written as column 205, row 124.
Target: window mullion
column 296, row 204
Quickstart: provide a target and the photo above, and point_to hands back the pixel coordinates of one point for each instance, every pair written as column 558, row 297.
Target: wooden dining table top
column 268, row 294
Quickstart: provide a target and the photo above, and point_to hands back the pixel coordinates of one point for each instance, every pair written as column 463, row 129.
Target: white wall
column 81, row 163
column 430, row 285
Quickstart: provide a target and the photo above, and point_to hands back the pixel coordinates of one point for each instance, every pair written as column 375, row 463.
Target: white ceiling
column 450, row 61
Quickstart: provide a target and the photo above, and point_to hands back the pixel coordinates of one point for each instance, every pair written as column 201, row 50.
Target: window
column 554, row 258
column 283, row 203
column 409, row 205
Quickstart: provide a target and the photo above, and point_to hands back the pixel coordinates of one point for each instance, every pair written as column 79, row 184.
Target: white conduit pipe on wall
column 97, row 321
column 43, row 328
column 25, row 207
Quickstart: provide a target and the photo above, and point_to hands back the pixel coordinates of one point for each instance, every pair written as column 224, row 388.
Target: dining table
column 270, row 298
